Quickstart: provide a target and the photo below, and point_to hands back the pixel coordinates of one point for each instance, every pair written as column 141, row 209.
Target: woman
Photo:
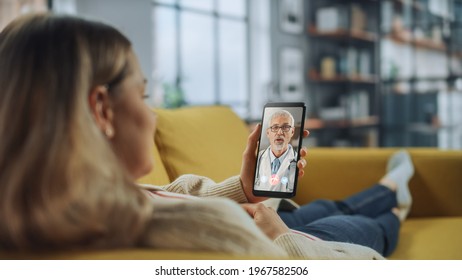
column 76, row 134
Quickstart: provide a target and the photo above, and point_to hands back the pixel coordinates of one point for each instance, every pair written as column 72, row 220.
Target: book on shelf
column 352, row 106
column 333, row 113
column 332, row 18
column 365, row 62
column 358, row 18
column 341, row 17
column 342, row 65
column 349, row 63
column 328, row 67
column 357, row 104
column 387, row 16
column 352, row 62
column 358, row 62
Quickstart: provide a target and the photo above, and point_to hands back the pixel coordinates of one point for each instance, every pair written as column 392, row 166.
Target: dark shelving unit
column 411, row 113
column 345, row 99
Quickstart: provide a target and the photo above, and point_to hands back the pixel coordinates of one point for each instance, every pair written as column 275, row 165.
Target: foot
column 400, row 171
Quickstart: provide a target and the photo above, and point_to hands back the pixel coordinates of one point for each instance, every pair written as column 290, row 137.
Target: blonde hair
column 61, row 185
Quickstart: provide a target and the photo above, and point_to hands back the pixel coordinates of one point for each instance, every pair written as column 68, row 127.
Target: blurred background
column 372, row 73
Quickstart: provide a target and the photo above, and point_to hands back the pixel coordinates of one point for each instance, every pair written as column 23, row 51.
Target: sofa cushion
column 206, row 141
column 430, row 238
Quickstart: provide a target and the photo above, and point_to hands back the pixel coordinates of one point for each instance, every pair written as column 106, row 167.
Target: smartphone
column 281, row 138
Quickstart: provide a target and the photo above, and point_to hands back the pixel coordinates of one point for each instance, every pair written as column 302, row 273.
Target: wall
column 260, row 74
column 280, row 40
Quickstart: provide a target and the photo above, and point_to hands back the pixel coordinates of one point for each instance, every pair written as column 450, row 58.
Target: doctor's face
column 279, row 134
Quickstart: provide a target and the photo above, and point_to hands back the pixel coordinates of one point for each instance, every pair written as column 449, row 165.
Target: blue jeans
column 364, row 218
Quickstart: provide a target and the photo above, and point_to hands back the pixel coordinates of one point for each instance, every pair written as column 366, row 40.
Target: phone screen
column 276, row 171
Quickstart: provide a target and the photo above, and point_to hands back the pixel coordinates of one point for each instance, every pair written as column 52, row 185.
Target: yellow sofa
column 209, row 141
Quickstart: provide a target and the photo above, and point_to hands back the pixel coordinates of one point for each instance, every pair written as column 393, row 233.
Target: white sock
column 400, row 171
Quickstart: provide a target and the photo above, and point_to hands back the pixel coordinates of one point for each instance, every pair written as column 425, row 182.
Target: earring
column 109, row 132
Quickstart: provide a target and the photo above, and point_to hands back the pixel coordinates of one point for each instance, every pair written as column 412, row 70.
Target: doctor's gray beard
column 279, row 147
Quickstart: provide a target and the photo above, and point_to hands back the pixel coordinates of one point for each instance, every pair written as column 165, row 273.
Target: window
column 201, row 52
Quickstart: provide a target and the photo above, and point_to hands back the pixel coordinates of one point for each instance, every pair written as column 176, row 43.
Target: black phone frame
column 281, row 105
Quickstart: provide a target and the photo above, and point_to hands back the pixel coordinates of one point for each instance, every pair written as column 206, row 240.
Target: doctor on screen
column 277, row 164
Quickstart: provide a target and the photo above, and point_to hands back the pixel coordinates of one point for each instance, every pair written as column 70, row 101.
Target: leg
column 399, row 171
column 380, row 234
column 310, row 212
column 371, row 202
column 392, row 191
column 390, row 225
column 371, row 219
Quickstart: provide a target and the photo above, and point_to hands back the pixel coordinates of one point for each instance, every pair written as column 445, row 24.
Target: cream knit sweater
column 217, row 223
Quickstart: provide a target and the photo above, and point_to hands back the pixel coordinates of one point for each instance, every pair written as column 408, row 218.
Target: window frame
column 216, row 16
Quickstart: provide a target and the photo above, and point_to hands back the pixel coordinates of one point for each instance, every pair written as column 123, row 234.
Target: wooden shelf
column 314, row 124
column 344, row 34
column 399, row 39
column 429, row 44
column 417, row 79
column 315, row 77
column 457, row 54
column 418, row 43
column 427, row 128
column 415, row 5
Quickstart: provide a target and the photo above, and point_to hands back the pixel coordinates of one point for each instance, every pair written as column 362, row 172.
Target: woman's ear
column 101, row 109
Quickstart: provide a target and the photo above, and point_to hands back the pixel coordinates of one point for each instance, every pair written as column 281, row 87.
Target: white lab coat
column 287, row 170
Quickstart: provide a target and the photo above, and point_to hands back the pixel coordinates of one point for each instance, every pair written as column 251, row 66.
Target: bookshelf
column 343, row 74
column 421, row 88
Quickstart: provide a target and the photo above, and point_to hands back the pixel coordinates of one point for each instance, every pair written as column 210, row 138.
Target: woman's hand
column 266, row 219
column 249, row 159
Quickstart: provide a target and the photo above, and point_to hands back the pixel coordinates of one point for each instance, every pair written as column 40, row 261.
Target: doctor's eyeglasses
column 275, row 128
